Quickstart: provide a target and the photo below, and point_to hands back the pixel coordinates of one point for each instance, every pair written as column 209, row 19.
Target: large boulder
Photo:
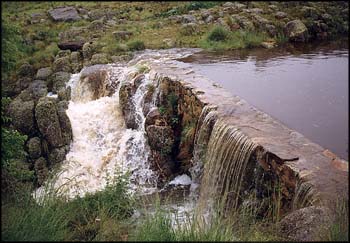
column 26, row 70
column 296, row 31
column 64, row 14
column 99, row 58
column 22, row 115
column 38, row 89
column 48, row 121
column 56, row 156
column 58, row 80
column 34, row 147
column 71, row 45
column 76, row 60
column 305, row 224
column 43, row 73
column 66, row 127
column 62, row 64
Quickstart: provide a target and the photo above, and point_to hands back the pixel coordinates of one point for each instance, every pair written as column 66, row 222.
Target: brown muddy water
column 306, row 87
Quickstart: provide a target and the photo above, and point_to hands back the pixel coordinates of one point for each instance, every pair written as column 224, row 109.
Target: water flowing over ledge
column 232, row 147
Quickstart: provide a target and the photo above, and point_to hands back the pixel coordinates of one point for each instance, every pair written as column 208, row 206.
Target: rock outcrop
column 64, row 14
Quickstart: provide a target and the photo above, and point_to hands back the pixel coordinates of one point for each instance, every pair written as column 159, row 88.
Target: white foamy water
column 102, row 145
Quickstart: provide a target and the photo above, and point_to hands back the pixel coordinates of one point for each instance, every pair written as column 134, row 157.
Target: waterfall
column 102, row 145
column 223, row 151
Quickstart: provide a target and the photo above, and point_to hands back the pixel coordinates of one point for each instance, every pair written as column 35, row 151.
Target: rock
column 56, row 156
column 58, row 80
column 268, row 45
column 273, row 7
column 280, row 15
column 209, row 19
column 160, row 138
column 309, row 12
column 40, row 167
column 38, row 89
column 64, row 94
column 94, row 78
column 243, row 22
column 64, row 14
column 169, row 42
column 122, row 35
column 76, row 60
column 37, row 18
column 96, row 25
column 73, row 45
column 26, row 70
column 99, row 58
column 24, row 82
column 128, row 109
column 72, row 35
column 26, row 95
column 296, row 31
column 189, row 29
column 34, row 147
column 88, row 50
column 228, row 4
column 305, row 224
column 63, row 53
column 271, row 30
column 82, row 11
column 256, row 11
column 96, row 14
column 62, row 64
column 188, row 18
column 65, row 124
column 154, row 118
column 22, row 115
column 43, row 73
column 48, row 121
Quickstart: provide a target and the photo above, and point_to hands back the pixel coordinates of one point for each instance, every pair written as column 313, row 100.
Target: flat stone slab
column 328, row 175
column 64, row 14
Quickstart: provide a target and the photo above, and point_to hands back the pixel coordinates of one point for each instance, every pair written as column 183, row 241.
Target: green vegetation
column 136, row 45
column 221, row 39
column 83, row 219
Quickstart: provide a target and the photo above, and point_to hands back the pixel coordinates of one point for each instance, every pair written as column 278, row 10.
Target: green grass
column 221, row 39
column 55, row 219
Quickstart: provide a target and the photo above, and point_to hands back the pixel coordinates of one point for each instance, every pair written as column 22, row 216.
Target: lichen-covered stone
column 296, row 31
column 76, row 60
column 128, row 109
column 48, row 121
column 22, row 115
column 41, row 170
column 34, row 147
column 99, row 58
column 58, row 80
column 64, row 14
column 56, row 156
column 26, row 70
column 62, row 64
column 65, row 124
column 43, row 73
column 305, row 224
column 38, row 89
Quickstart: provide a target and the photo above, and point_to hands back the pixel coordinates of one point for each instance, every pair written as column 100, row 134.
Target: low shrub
column 136, row 45
column 218, row 34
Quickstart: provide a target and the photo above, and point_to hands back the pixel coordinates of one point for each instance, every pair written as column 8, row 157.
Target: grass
column 221, row 39
column 83, row 218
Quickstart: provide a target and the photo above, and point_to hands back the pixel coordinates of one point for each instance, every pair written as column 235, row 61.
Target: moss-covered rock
column 48, row 121
column 41, row 170
column 34, row 147
column 22, row 115
column 296, row 31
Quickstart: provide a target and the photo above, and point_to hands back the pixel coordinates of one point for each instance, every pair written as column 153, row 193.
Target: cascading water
column 225, row 159
column 102, row 145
